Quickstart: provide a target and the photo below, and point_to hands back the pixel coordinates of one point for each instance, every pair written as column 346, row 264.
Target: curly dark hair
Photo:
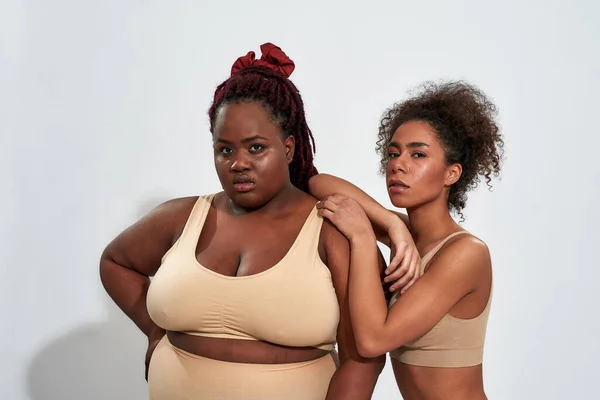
column 464, row 120
column 282, row 100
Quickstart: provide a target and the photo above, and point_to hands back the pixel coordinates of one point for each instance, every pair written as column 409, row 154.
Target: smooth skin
column 457, row 281
column 246, row 232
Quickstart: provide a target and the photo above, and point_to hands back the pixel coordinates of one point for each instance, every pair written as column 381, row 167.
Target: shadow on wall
column 93, row 362
column 102, row 361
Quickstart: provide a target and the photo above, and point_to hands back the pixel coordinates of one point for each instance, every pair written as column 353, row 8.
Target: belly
column 427, row 383
column 243, row 351
column 176, row 374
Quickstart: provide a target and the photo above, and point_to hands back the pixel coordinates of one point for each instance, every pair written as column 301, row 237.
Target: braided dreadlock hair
column 266, row 81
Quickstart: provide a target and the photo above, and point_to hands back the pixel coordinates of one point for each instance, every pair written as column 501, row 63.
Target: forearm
column 368, row 306
column 323, row 185
column 128, row 289
column 355, row 380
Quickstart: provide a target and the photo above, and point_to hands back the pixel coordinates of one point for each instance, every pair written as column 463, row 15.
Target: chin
column 400, row 202
column 249, row 200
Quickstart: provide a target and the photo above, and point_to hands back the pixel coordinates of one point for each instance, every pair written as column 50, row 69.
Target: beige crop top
column 292, row 303
column 453, row 342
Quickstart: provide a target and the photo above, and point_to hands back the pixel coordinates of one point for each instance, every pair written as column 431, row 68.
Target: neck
column 431, row 222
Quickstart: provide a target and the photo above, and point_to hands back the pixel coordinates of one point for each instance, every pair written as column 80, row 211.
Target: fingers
column 337, row 198
column 325, row 213
column 415, row 271
column 402, row 277
column 407, row 273
column 327, row 208
column 397, row 274
column 397, row 256
column 328, row 204
column 334, row 199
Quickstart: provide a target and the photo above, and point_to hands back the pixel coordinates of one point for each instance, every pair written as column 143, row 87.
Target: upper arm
column 337, row 250
column 324, row 185
column 456, row 271
column 141, row 246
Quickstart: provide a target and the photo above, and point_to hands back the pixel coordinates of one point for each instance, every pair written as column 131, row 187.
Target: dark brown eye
column 255, row 148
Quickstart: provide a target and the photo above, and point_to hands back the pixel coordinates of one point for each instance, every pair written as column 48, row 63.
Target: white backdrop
column 103, row 115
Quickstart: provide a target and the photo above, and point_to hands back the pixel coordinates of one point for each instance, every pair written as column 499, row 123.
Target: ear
column 453, row 173
column 289, row 145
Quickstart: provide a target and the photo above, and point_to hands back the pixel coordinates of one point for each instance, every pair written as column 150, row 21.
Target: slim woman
column 435, row 147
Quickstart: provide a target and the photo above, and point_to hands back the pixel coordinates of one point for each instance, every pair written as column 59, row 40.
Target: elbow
column 105, row 257
column 106, row 267
column 369, row 347
column 313, row 185
column 369, row 351
column 320, row 185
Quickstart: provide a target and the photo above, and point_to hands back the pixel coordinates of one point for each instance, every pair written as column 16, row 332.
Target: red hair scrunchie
column 272, row 57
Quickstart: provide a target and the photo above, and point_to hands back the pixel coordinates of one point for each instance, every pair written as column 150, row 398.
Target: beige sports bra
column 453, row 342
column 293, row 303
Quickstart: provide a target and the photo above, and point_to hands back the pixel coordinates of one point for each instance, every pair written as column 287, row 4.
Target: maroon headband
column 272, row 57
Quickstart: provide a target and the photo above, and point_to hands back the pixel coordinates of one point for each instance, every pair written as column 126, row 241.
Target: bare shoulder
column 467, row 247
column 468, row 242
column 463, row 255
column 474, row 248
column 172, row 214
column 174, row 207
column 161, row 225
column 142, row 245
column 331, row 240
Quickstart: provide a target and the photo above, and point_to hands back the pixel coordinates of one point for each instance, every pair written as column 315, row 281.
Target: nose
column 240, row 163
column 399, row 164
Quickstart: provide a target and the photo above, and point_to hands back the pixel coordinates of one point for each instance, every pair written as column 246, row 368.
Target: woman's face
column 251, row 156
column 417, row 173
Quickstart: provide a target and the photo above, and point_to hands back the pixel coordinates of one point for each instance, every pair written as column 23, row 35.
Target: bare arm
column 454, row 273
column 390, row 228
column 323, row 185
column 356, row 376
column 134, row 255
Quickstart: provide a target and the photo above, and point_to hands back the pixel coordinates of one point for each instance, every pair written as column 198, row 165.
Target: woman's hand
column 347, row 216
column 405, row 265
column 350, row 219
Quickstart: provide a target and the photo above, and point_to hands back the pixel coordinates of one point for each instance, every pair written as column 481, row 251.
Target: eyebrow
column 245, row 140
column 409, row 145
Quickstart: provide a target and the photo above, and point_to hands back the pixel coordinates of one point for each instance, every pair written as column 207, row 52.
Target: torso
column 243, row 246
column 447, row 383
column 430, row 383
column 254, row 242
column 473, row 303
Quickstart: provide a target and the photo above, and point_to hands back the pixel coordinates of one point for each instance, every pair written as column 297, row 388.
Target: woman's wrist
column 363, row 239
column 388, row 219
